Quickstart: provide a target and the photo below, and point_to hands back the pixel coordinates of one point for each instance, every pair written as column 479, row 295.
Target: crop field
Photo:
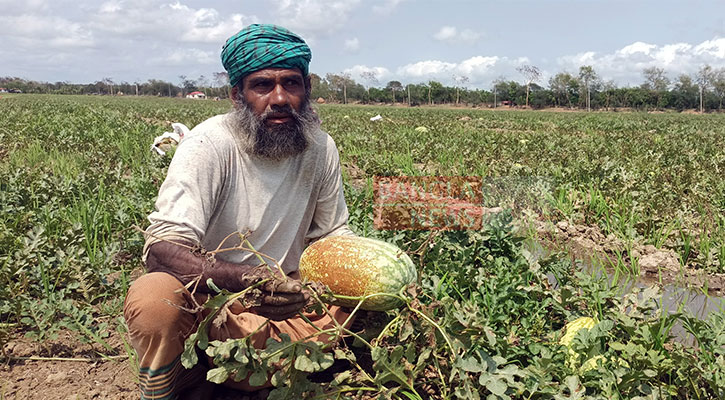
column 488, row 315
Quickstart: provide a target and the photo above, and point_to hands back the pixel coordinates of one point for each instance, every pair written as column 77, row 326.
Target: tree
column 685, row 92
column 340, row 83
column 435, row 91
column 394, row 86
column 202, row 83
column 221, row 79
column 371, row 77
column 460, row 80
column 655, row 79
column 704, row 79
column 563, row 87
column 589, row 79
column 187, row 85
column 494, row 88
column 718, row 86
column 532, row 75
column 608, row 89
column 108, row 82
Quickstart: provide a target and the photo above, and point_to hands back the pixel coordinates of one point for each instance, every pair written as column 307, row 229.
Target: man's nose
column 278, row 96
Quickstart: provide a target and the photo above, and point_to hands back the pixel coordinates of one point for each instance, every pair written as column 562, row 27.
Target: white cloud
column 637, row 47
column 446, row 33
column 110, row 7
column 314, row 18
column 426, row 69
column 352, row 45
column 387, row 7
column 469, row 36
column 39, row 32
column 477, row 65
column 14, row 7
column 362, row 73
column 185, row 56
column 712, row 48
column 480, row 70
column 625, row 65
column 450, row 34
column 168, row 22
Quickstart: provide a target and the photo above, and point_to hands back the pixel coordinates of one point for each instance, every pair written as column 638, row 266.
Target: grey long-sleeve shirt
column 213, row 189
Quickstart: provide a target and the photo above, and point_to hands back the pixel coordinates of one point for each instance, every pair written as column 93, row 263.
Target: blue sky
column 411, row 41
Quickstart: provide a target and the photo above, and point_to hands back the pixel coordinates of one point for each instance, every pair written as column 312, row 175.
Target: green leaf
column 341, row 378
column 217, row 375
column 470, row 364
column 258, row 378
column 303, row 363
column 497, row 386
column 189, row 357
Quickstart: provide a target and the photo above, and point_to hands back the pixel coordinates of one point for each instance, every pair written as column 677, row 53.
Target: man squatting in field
column 265, row 167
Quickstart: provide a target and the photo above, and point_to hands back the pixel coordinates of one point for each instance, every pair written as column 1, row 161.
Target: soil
column 96, row 378
column 99, row 379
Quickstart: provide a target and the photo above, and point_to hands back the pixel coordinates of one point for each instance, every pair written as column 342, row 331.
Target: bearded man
column 265, row 168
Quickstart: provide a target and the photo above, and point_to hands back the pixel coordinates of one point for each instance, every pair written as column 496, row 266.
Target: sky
column 469, row 43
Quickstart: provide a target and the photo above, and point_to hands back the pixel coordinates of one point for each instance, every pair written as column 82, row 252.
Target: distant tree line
column 705, row 91
column 585, row 90
column 215, row 87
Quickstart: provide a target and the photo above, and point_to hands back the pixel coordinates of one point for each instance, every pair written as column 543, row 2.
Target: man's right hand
column 282, row 296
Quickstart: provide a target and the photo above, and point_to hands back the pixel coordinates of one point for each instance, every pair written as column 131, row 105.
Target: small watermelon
column 570, row 331
column 354, row 266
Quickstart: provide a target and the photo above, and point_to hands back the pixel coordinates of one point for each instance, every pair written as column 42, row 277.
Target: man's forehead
column 274, row 73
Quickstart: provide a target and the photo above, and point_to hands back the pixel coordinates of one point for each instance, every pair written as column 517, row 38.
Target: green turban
column 261, row 46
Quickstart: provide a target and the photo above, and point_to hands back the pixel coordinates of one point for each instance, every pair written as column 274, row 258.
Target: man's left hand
column 282, row 299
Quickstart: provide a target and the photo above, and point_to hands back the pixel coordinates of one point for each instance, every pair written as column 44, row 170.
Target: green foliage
column 76, row 175
column 645, row 178
column 484, row 322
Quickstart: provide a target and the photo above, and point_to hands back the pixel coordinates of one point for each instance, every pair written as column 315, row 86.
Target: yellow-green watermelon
column 354, row 266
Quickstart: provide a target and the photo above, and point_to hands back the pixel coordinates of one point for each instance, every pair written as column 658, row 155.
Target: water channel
column 673, row 298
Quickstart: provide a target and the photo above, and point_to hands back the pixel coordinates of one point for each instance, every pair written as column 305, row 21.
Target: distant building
column 196, row 95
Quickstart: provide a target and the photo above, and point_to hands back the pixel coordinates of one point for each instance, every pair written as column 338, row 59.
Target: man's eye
column 262, row 85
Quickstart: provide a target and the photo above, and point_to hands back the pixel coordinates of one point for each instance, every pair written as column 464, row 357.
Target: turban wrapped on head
column 260, row 46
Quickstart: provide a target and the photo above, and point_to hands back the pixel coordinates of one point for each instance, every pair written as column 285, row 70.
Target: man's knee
column 155, row 305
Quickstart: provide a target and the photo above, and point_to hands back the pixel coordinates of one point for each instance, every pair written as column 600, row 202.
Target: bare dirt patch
column 24, row 378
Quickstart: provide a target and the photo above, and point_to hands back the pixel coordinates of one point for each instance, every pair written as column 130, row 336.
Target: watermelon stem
column 361, row 299
column 345, row 390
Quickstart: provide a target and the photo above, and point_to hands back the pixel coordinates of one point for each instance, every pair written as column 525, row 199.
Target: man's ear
column 233, row 94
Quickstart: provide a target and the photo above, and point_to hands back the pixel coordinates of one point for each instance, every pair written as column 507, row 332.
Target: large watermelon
column 354, row 266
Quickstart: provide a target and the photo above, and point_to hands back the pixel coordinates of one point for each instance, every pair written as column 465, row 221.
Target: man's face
column 272, row 113
column 273, row 91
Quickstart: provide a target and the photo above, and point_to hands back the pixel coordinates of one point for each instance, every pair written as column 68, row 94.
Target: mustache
column 279, row 112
